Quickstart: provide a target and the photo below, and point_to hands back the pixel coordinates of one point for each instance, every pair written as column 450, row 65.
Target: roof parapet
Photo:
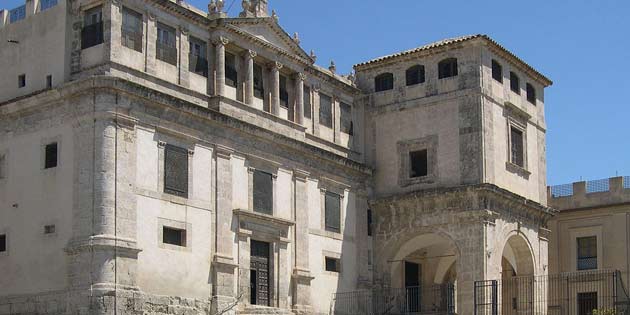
column 590, row 194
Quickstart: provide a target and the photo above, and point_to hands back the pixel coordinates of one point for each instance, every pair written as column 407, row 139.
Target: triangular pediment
column 268, row 31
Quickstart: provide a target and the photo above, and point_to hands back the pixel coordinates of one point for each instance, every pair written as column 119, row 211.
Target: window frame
column 50, row 163
column 339, row 200
column 412, row 173
column 337, row 266
column 515, row 83
column 166, row 44
column 522, row 163
column 187, row 229
column 92, row 31
column 530, row 92
column 308, row 106
column 384, row 82
column 594, row 241
column 197, row 58
column 259, row 82
column 271, row 210
column 448, row 68
column 415, row 75
column 231, row 70
column 326, row 120
column 169, row 188
column 131, row 32
column 404, row 148
column 497, row 71
column 346, row 123
column 284, row 91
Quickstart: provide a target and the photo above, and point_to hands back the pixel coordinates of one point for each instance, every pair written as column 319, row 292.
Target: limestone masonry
column 158, row 159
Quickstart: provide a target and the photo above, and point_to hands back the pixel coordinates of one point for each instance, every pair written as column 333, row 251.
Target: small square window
column 3, row 243
column 174, row 236
column 49, row 229
column 21, row 81
column 51, row 153
column 419, row 163
column 332, row 264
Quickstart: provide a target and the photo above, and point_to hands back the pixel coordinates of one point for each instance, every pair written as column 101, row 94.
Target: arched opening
column 517, row 265
column 424, row 269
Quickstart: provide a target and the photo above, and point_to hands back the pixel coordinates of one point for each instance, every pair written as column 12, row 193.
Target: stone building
column 158, row 159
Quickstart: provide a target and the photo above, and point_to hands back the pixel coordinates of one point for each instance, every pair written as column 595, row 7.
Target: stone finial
column 215, row 9
column 247, row 9
column 313, row 56
column 220, row 5
column 212, row 6
column 275, row 16
column 332, row 67
column 296, row 38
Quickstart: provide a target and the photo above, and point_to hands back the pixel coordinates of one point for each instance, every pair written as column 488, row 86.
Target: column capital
column 223, row 152
column 151, row 16
column 251, row 54
column 301, row 175
column 275, row 65
column 300, row 76
column 184, row 30
column 220, row 40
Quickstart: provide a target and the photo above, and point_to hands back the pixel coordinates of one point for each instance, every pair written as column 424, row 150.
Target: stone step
column 257, row 310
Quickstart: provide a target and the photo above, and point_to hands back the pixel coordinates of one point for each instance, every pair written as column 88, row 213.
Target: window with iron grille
column 515, row 84
column 284, row 93
column 197, row 62
column 332, row 213
column 419, row 162
column 497, row 71
column 46, row 4
column 173, row 236
column 50, row 155
column 259, row 90
column 263, row 192
column 516, row 147
column 587, row 303
column 176, row 171
column 21, row 80
column 307, row 102
column 165, row 44
column 531, row 93
column 17, row 14
column 587, row 253
column 384, row 82
column 415, row 75
column 231, row 74
column 3, row 243
column 131, row 30
column 332, row 264
column 92, row 31
column 325, row 110
column 447, row 68
column 346, row 118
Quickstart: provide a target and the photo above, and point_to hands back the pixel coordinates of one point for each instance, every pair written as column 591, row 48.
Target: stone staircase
column 257, row 310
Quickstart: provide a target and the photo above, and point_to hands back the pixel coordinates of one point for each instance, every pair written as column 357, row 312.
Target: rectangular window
column 131, row 35
column 263, row 192
column 92, row 31
column 515, row 84
column 447, row 68
column 176, row 171
column 325, row 110
column 197, row 62
column 21, row 81
column 346, row 118
column 369, row 222
column 497, row 71
column 284, row 93
column 587, row 253
column 516, row 147
column 531, row 93
column 332, row 264
column 49, row 229
column 333, row 212
column 3, row 166
column 50, row 158
column 419, row 163
column 173, row 236
column 165, row 44
column 3, row 243
column 47, row 4
column 49, row 81
column 259, row 90
column 17, row 14
column 307, row 102
column 231, row 74
column 587, row 303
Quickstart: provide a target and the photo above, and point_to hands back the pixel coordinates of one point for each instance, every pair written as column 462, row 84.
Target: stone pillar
column 284, row 278
column 249, row 76
column 4, row 17
column 301, row 272
column 112, row 33
column 220, row 65
column 31, row 7
column 151, row 34
column 184, row 49
column 299, row 98
column 336, row 110
column 275, row 88
column 315, row 106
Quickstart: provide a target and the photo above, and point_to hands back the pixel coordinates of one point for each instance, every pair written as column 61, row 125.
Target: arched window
column 415, row 75
column 384, row 82
column 497, row 71
column 531, row 94
column 447, row 68
column 515, row 84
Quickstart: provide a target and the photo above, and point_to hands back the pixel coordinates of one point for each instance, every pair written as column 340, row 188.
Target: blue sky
column 582, row 45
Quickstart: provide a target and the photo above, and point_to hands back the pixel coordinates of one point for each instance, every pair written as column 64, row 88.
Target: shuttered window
column 165, row 48
column 516, row 137
column 333, row 212
column 325, row 110
column 415, row 75
column 384, row 82
column 176, row 171
column 587, row 253
column 50, row 155
column 531, row 93
column 346, row 118
column 515, row 84
column 131, row 32
column 263, row 192
column 447, row 68
column 231, row 74
column 497, row 71
column 307, row 102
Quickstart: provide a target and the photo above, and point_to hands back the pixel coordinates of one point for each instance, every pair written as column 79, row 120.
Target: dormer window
column 497, row 71
column 515, row 84
column 384, row 82
column 531, row 93
column 447, row 68
column 231, row 74
column 415, row 75
column 92, row 32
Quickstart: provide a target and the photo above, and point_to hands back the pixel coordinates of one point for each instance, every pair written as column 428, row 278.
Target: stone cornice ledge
column 263, row 217
column 123, row 246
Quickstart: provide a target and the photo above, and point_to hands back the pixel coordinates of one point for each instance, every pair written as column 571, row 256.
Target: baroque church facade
column 159, row 159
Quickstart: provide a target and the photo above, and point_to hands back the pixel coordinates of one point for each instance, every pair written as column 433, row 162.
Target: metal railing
column 47, row 4
column 599, row 185
column 92, row 35
column 564, row 190
column 166, row 53
column 563, row 294
column 626, row 182
column 17, row 14
column 438, row 299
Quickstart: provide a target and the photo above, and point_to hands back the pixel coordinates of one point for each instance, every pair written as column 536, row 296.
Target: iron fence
column 626, row 182
column 577, row 293
column 599, row 185
column 438, row 299
column 562, row 190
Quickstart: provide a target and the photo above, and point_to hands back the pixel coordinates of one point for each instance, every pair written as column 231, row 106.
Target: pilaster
column 114, row 43
column 315, row 115
column 151, row 35
column 301, row 273
column 299, row 98
column 184, row 49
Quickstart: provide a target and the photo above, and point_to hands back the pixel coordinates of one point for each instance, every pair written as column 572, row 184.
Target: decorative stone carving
column 332, row 67
column 275, row 16
column 313, row 56
column 296, row 38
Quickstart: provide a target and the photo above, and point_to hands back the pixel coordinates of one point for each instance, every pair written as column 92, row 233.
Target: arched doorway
column 517, row 285
column 424, row 268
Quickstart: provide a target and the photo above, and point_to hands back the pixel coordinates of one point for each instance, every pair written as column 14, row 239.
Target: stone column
column 220, row 65
column 299, row 98
column 151, row 34
column 336, row 110
column 315, row 106
column 249, row 76
column 184, row 49
column 275, row 88
column 301, row 272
